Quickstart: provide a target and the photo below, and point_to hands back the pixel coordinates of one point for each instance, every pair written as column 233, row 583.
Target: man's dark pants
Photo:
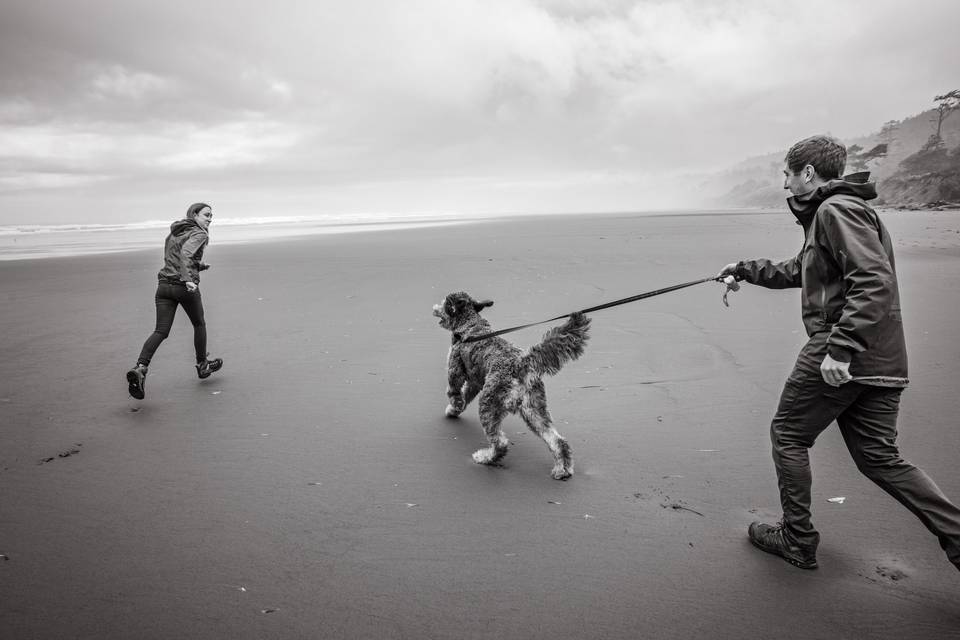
column 867, row 417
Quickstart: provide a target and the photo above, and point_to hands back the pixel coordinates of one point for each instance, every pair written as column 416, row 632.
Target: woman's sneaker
column 208, row 366
column 136, row 381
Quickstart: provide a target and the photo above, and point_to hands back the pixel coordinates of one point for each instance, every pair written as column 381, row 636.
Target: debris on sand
column 268, row 610
column 676, row 506
column 837, row 500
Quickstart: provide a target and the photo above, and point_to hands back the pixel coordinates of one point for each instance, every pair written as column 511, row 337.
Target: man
column 853, row 368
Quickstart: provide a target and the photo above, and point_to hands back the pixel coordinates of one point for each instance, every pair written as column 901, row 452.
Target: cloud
column 118, row 82
column 308, row 97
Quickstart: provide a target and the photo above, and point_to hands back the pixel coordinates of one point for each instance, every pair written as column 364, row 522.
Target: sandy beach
column 314, row 489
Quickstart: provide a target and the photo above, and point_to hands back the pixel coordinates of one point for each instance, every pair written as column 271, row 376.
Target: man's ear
column 477, row 306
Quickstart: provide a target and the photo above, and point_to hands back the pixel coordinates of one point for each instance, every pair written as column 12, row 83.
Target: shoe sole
column 801, row 565
column 134, row 387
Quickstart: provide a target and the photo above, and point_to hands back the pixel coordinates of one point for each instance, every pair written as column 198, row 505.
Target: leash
column 641, row 296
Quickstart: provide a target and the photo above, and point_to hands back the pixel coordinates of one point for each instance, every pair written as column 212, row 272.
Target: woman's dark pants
column 867, row 417
column 168, row 297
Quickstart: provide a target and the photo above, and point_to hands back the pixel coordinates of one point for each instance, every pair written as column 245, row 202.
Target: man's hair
column 825, row 154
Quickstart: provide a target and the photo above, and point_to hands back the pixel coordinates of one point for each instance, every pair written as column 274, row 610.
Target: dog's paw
column 561, row 473
column 452, row 412
column 483, row 456
column 490, row 456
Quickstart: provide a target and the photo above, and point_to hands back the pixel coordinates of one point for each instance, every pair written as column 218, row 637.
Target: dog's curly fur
column 506, row 379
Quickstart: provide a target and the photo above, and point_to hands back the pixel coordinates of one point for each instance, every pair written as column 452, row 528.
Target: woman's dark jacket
column 183, row 252
column 847, row 277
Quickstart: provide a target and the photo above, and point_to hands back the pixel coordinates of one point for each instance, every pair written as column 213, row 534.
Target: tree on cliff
column 859, row 160
column 933, row 156
column 948, row 103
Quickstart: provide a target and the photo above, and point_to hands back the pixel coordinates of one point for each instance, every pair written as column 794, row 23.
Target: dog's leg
column 492, row 412
column 533, row 410
column 470, row 391
column 456, row 378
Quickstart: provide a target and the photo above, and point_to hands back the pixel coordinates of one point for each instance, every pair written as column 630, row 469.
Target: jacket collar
column 855, row 184
column 180, row 226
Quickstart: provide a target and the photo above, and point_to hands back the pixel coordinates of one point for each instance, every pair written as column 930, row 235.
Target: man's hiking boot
column 136, row 381
column 774, row 539
column 205, row 368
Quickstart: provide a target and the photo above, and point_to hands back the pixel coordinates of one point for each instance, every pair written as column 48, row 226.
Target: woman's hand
column 192, row 287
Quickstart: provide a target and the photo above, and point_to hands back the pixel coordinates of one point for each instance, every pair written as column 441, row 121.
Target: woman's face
column 204, row 217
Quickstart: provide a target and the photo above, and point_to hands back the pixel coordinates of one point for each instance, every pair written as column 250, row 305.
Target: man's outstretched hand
column 728, row 270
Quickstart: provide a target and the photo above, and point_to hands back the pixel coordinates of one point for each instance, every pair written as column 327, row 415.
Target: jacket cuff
column 740, row 273
column 839, row 354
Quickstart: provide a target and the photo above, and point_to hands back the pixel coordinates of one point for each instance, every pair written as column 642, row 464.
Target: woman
column 179, row 281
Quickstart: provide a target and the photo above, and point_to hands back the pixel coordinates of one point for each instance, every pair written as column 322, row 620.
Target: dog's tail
column 559, row 346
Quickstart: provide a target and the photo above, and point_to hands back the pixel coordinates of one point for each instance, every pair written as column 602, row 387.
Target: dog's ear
column 483, row 304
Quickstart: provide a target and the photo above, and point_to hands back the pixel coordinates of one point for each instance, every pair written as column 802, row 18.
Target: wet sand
column 314, row 489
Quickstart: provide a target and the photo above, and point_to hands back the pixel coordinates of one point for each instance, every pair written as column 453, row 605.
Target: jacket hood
column 854, row 184
column 182, row 226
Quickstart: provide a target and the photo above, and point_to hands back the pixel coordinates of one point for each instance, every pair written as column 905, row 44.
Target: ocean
column 19, row 242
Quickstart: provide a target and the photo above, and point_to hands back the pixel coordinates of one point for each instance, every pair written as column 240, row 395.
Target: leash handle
column 641, row 296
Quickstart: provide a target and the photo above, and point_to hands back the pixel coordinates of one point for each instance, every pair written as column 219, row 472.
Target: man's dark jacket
column 847, row 277
column 183, row 252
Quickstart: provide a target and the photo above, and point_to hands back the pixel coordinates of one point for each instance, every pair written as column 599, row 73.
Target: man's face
column 798, row 183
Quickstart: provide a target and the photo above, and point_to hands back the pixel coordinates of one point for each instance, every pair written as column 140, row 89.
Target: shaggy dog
column 507, row 380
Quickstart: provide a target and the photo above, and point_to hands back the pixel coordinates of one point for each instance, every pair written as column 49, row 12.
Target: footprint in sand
column 62, row 454
column 890, row 573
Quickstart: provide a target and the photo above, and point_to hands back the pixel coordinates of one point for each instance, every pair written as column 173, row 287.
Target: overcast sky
column 129, row 110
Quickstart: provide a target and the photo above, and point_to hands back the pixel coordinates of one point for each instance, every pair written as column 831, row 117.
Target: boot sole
column 774, row 552
column 134, row 387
